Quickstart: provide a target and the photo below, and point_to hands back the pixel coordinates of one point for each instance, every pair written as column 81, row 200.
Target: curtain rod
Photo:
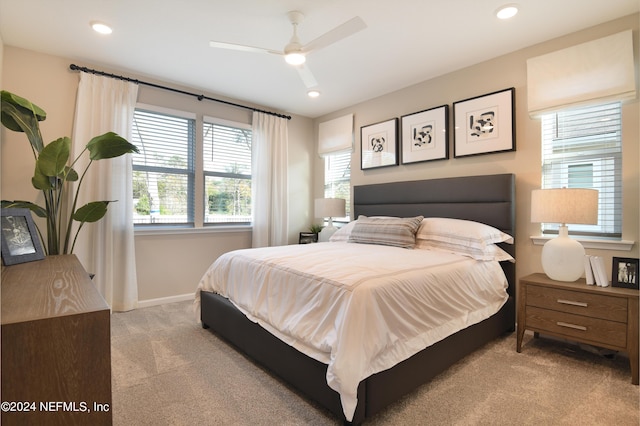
column 75, row 67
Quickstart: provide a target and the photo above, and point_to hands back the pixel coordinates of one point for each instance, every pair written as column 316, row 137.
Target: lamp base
column 326, row 233
column 563, row 258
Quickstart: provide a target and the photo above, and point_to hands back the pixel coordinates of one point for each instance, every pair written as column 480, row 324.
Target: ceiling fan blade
column 241, row 47
column 307, row 77
column 350, row 27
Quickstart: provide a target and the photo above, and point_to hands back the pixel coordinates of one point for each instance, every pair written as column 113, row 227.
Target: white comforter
column 359, row 308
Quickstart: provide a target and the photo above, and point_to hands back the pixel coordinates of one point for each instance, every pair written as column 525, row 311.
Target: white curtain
column 269, row 181
column 106, row 248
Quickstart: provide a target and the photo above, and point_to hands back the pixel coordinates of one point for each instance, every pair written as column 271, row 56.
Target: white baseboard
column 164, row 300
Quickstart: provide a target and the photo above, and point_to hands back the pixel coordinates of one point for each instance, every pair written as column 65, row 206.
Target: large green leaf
column 22, row 120
column 41, row 181
column 91, row 212
column 23, row 104
column 71, row 174
column 53, row 158
column 17, row 204
column 109, row 145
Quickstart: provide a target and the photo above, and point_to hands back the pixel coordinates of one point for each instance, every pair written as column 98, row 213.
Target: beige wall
column 168, row 265
column 497, row 74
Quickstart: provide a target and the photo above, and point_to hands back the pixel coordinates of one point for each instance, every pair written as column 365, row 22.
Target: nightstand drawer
column 584, row 328
column 574, row 302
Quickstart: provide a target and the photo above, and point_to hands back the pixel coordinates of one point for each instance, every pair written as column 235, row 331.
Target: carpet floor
column 167, row 370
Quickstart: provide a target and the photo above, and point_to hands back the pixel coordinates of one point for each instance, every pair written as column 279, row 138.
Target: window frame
column 189, row 171
column 598, row 153
column 196, row 181
column 205, row 173
column 330, row 185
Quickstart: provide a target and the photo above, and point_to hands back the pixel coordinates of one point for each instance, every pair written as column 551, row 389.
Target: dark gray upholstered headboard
column 487, row 199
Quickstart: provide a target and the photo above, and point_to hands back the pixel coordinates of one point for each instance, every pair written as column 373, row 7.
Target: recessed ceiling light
column 101, row 27
column 507, row 11
column 313, row 93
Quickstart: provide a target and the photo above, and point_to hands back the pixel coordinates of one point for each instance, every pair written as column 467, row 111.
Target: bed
column 488, row 199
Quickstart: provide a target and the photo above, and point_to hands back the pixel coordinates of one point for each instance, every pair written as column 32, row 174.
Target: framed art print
column 484, row 124
column 20, row 240
column 379, row 144
column 624, row 272
column 425, row 135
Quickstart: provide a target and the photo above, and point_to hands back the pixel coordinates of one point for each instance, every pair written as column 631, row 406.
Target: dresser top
column 579, row 285
column 53, row 287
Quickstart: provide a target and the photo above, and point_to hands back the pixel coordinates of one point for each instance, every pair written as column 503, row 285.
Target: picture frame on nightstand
column 624, row 272
column 307, row 238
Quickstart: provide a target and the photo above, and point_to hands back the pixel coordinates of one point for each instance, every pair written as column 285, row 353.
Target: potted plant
column 53, row 173
column 315, row 229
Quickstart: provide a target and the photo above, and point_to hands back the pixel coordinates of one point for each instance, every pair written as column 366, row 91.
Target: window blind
column 335, row 135
column 337, row 180
column 582, row 148
column 227, row 173
column 164, row 167
column 598, row 71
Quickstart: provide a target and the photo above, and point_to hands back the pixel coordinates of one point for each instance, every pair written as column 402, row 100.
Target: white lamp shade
column 330, row 207
column 566, row 205
column 563, row 258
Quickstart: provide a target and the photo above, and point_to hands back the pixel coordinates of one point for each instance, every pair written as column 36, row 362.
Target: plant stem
column 73, row 209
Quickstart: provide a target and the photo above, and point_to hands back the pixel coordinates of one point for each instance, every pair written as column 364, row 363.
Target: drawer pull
column 573, row 303
column 576, row 327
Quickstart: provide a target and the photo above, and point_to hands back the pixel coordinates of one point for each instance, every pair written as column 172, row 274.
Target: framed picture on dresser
column 20, row 240
column 624, row 272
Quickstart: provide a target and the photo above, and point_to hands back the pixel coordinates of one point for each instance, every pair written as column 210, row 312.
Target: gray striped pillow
column 388, row 231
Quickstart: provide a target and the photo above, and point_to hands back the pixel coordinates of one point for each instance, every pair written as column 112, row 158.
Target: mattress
column 359, row 308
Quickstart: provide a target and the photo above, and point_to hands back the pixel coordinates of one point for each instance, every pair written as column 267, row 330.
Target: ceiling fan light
column 295, row 58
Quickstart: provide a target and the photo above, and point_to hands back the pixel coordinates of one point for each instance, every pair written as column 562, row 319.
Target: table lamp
column 329, row 207
column 563, row 257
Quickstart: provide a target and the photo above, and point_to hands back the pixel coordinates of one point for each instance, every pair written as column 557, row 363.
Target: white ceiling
column 405, row 42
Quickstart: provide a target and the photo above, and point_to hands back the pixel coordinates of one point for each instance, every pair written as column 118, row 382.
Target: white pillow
column 343, row 233
column 490, row 252
column 388, row 231
column 461, row 232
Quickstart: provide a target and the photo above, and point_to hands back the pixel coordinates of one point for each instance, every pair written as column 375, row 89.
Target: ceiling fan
column 295, row 52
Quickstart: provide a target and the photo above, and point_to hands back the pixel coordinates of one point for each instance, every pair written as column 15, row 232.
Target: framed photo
column 484, row 124
column 379, row 144
column 425, row 135
column 624, row 272
column 307, row 238
column 20, row 240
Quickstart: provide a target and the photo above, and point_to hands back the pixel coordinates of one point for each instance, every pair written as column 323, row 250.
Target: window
column 582, row 148
column 227, row 172
column 337, row 180
column 163, row 170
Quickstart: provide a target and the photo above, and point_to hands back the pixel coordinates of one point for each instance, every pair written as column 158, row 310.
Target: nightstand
column 601, row 316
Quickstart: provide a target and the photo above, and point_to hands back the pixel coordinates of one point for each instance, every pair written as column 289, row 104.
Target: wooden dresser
column 600, row 316
column 56, row 349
